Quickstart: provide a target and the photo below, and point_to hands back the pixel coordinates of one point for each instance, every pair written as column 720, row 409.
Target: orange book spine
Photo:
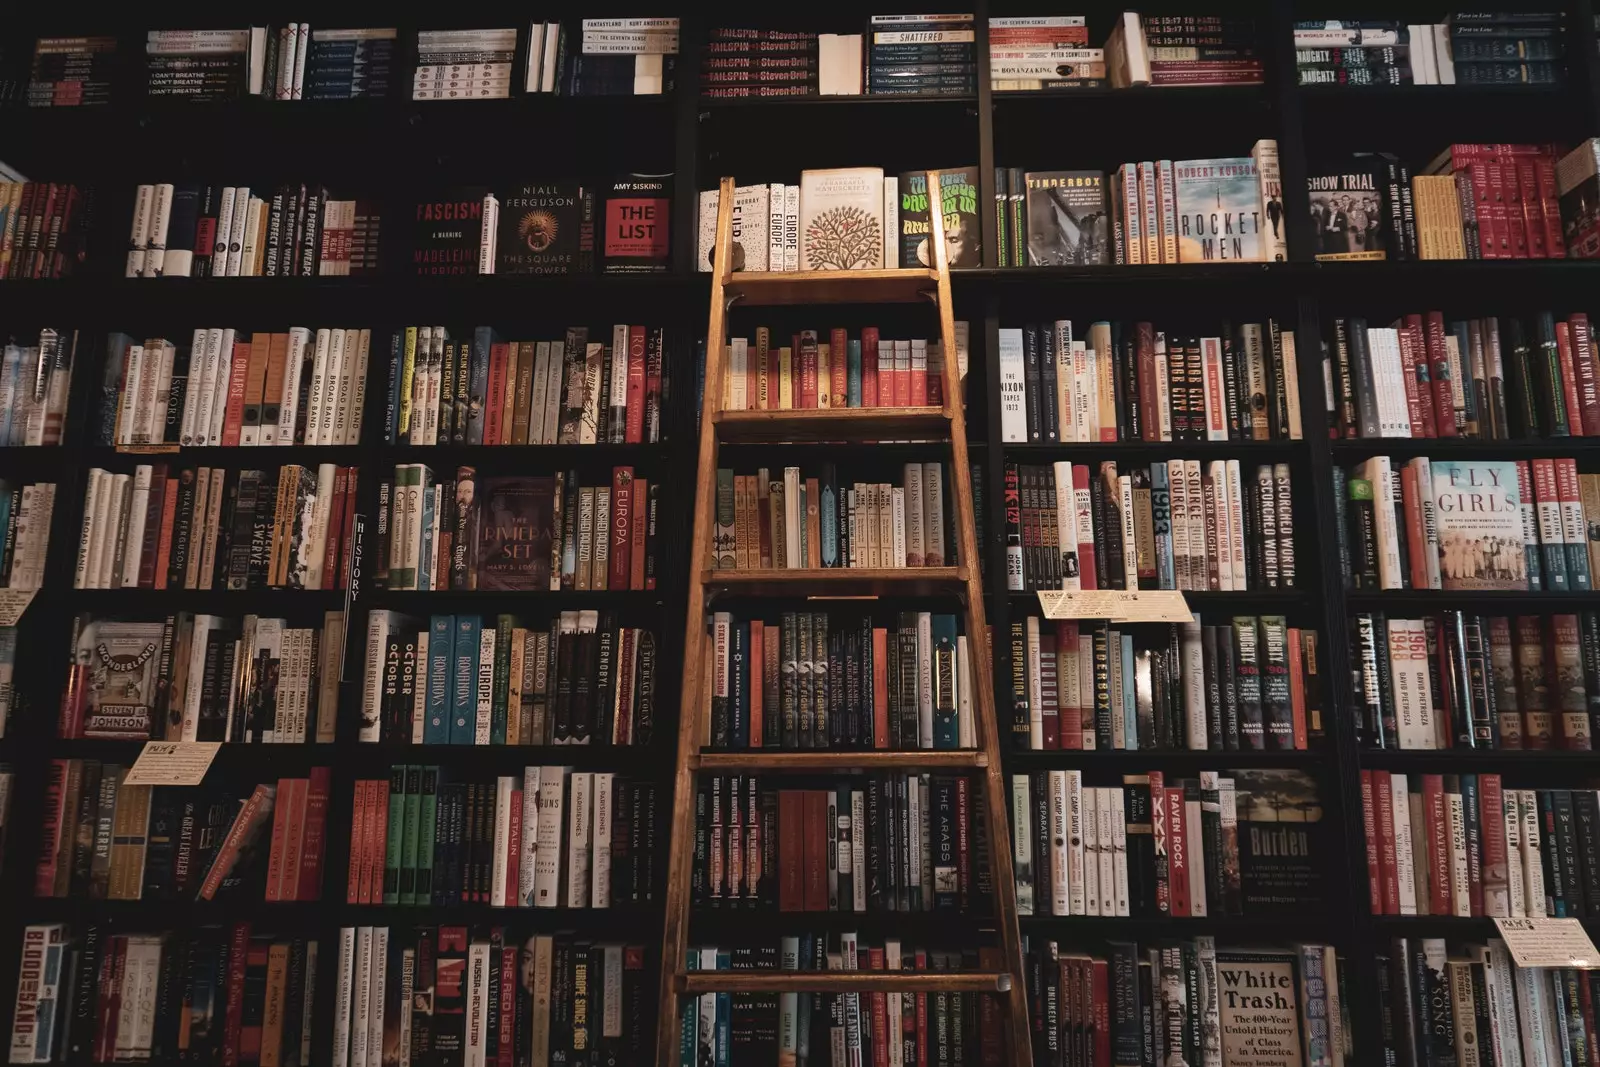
column 377, row 836
column 880, row 687
column 238, row 380
column 1569, row 378
column 330, row 555
column 1416, row 540
column 292, row 802
column 275, row 855
column 641, row 515
column 1297, row 696
column 228, row 854
column 839, row 367
column 358, row 838
column 757, row 711
column 494, row 409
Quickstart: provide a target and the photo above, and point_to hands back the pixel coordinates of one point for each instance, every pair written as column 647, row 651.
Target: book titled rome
column 636, row 221
column 546, row 228
column 446, row 232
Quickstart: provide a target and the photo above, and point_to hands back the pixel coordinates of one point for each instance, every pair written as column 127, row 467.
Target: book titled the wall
column 463, row 680
column 550, row 837
column 811, row 680
column 1183, row 524
column 99, row 994
column 103, row 839
column 228, row 387
column 43, row 228
column 193, row 230
column 494, row 392
column 203, row 678
column 464, row 64
column 1249, row 683
column 72, row 71
column 204, row 528
column 402, row 994
column 1461, row 680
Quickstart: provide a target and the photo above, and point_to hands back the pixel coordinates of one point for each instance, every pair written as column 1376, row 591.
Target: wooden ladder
column 946, row 423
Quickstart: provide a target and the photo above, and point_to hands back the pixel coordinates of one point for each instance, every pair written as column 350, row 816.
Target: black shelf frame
column 393, row 147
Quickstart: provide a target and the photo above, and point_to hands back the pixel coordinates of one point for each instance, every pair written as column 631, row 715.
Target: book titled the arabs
column 1478, row 509
column 117, row 677
column 958, row 191
column 1280, row 836
column 841, row 219
column 636, row 217
column 1219, row 211
column 514, row 532
column 1347, row 213
column 446, row 232
column 546, row 228
column 1068, row 223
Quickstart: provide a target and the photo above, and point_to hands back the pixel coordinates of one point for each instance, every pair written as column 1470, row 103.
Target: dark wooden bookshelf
column 392, row 149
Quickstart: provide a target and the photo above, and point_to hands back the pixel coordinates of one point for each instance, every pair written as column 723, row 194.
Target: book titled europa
column 546, row 228
column 1219, row 211
column 1481, row 534
column 841, row 219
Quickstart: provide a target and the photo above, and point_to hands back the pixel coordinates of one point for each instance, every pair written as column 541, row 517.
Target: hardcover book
column 1258, row 1008
column 637, row 218
column 958, row 190
column 1068, row 222
column 841, row 219
column 1280, row 824
column 546, row 229
column 121, row 659
column 446, row 232
column 1347, row 214
column 514, row 533
column 1219, row 210
column 1479, row 515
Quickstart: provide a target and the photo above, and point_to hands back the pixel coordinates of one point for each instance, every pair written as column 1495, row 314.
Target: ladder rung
column 901, row 286
column 835, row 981
column 839, row 581
column 846, row 425
column 846, row 759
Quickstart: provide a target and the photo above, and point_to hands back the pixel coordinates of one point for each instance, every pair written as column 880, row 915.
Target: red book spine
column 330, row 555
column 1178, row 853
column 1417, row 544
column 654, row 359
column 377, row 838
column 228, row 854
column 641, row 514
column 1532, row 212
column 1387, row 857
column 902, row 377
column 292, row 796
column 1297, row 695
column 1516, row 223
column 1496, row 859
column 633, row 425
column 345, row 539
column 838, row 368
column 169, row 516
column 1070, row 713
column 110, row 988
column 879, row 1010
column 514, row 849
column 1408, row 375
column 358, row 844
column 869, row 367
column 919, row 380
column 1439, row 362
column 1413, row 326
column 1583, row 357
column 44, row 879
column 506, row 1054
column 1080, row 503
column 152, row 527
column 1369, row 825
column 1563, row 664
column 791, row 833
column 1550, row 208
column 1483, row 199
column 233, row 416
column 1100, row 991
column 1149, row 408
column 275, row 854
column 816, row 849
column 314, row 839
column 1569, row 379
column 922, row 1016
column 621, row 528
column 880, row 687
column 1437, row 826
column 238, row 954
column 496, row 400
column 808, row 370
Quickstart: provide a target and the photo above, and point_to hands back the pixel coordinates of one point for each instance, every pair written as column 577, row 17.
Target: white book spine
column 1022, row 843
column 1532, row 857
column 372, row 689
column 294, row 362
column 1066, row 843
column 236, row 232
column 322, row 363
column 219, row 388
column 1195, row 846
column 112, row 524
column 129, row 578
column 139, row 238
column 580, row 822
column 1403, row 845
column 483, row 713
column 547, row 858
column 1194, row 685
column 604, row 786
column 527, row 861
column 503, row 788
column 1090, row 823
column 87, row 565
column 363, row 997
column 1236, row 522
column 1510, row 816
column 160, row 223
column 1113, row 798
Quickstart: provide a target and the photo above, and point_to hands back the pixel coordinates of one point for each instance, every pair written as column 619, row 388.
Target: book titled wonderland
column 1219, row 211
column 117, row 668
column 1479, row 515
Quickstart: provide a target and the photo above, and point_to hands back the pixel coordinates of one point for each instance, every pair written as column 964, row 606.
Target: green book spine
column 391, row 856
column 410, row 835
column 427, row 829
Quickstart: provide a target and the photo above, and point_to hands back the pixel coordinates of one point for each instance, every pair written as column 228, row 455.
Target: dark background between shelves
column 394, row 150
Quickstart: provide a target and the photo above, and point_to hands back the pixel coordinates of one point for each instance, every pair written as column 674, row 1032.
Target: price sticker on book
column 1116, row 605
column 1548, row 943
column 13, row 602
column 173, row 763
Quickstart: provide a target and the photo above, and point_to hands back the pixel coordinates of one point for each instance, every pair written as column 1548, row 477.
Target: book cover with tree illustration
column 841, row 219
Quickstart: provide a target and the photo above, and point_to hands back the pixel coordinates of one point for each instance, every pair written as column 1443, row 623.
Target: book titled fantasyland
column 1479, row 515
column 1219, row 211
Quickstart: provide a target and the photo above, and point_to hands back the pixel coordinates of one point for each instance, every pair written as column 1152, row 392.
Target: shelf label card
column 173, row 763
column 1548, row 943
column 13, row 602
column 1116, row 605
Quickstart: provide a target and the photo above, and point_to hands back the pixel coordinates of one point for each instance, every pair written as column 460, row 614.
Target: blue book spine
column 689, row 1022
column 945, row 731
column 1130, row 696
column 441, row 656
column 9, row 373
column 464, row 682
column 829, row 516
column 724, row 1015
column 482, row 338
column 1161, row 523
column 425, row 553
column 391, row 413
column 739, row 728
column 855, row 373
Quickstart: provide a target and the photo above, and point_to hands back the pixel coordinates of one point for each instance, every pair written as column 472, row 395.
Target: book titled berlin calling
column 546, row 228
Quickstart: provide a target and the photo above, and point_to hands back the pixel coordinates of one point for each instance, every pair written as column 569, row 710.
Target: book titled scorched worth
column 1479, row 514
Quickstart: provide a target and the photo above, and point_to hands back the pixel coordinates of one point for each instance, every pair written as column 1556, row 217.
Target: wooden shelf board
column 766, row 289
column 839, row 581
column 843, row 425
column 841, row 759
column 835, row 981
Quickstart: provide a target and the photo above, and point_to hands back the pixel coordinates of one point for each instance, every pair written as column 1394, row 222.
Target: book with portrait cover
column 1478, row 508
column 546, row 228
column 1280, row 839
column 958, row 190
column 515, row 515
column 1068, row 220
column 1219, row 210
column 1348, row 212
column 636, row 219
column 446, row 230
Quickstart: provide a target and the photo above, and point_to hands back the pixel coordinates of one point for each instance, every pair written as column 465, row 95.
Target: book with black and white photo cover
column 1478, row 512
column 1219, row 211
column 546, row 228
column 116, row 665
column 1068, row 220
column 958, row 191
column 841, row 219
column 514, row 533
column 1280, row 840
column 1347, row 212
